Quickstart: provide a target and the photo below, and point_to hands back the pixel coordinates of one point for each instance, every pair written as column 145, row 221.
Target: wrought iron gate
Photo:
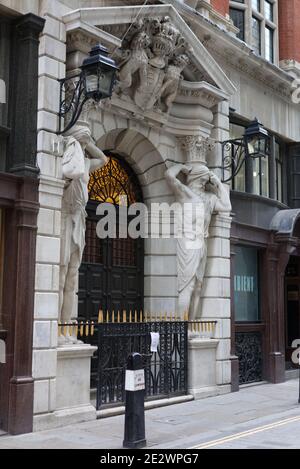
column 165, row 371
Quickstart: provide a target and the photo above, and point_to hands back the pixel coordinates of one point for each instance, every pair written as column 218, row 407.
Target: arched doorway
column 111, row 277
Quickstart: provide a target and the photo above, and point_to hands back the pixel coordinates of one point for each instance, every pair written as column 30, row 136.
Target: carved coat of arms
column 154, row 56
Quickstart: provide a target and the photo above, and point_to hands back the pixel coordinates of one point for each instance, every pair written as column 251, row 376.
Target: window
column 256, row 4
column 238, row 18
column 258, row 170
column 256, row 35
column 279, row 171
column 4, row 75
column 269, row 10
column 269, row 44
column 246, row 285
column 114, row 181
column 257, row 24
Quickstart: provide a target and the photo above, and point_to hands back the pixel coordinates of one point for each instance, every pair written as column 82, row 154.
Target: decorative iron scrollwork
column 249, row 352
column 233, row 158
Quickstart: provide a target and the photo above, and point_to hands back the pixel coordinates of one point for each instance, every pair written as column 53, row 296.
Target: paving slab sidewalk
column 179, row 426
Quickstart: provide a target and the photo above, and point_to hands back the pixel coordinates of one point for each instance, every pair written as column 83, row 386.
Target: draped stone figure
column 201, row 196
column 81, row 158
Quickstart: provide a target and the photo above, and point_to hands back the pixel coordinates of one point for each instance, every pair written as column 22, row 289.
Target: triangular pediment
column 113, row 23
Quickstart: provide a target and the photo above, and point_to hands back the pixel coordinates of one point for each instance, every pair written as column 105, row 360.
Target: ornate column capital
column 196, row 148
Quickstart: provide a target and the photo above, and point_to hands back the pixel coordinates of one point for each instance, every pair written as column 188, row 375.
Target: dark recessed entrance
column 292, row 308
column 111, row 277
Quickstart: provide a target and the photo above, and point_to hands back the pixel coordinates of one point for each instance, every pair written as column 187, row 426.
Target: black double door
column 111, row 277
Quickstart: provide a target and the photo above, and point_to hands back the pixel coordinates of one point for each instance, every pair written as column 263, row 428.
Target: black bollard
column 135, row 403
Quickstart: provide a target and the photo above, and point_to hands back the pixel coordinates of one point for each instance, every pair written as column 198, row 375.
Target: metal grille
column 93, row 253
column 165, row 371
column 124, row 252
column 113, row 183
column 249, row 351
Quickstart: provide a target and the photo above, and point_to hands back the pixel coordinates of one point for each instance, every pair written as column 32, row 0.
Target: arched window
column 114, row 181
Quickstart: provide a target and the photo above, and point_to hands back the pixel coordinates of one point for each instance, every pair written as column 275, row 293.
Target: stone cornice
column 237, row 53
column 200, row 93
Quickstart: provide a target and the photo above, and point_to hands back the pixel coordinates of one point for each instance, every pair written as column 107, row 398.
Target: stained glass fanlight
column 114, row 183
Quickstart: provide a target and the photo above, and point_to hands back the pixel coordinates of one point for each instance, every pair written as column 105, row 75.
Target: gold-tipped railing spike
column 59, row 330
column 70, row 330
column 141, row 316
column 76, row 328
column 119, row 317
column 65, row 329
column 135, row 316
column 113, row 317
column 130, row 316
column 92, row 328
column 81, row 330
column 87, row 329
column 166, row 317
column 124, row 316
column 107, row 316
column 100, row 317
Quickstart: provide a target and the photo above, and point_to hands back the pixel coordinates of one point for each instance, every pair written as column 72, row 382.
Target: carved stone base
column 72, row 389
column 202, row 380
column 73, row 376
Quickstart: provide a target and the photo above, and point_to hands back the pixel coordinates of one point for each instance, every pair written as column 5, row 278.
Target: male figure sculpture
column 203, row 195
column 86, row 158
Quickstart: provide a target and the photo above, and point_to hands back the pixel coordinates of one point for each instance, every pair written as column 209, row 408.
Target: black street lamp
column 257, row 140
column 95, row 81
column 254, row 144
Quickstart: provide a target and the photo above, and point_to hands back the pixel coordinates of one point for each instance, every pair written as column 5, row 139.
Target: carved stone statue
column 154, row 56
column 172, row 80
column 76, row 170
column 200, row 197
column 137, row 61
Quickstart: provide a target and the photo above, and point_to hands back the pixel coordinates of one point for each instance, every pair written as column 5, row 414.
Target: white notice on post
column 154, row 341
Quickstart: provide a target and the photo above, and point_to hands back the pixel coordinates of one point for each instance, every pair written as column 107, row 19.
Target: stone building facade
column 223, row 86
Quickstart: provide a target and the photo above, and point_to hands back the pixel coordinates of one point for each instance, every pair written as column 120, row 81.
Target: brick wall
column 222, row 6
column 289, row 29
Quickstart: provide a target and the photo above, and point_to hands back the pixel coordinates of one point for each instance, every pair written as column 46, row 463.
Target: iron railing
column 117, row 335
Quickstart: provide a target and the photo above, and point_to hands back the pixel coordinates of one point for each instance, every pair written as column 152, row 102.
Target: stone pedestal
column 73, row 376
column 72, row 389
column 202, row 379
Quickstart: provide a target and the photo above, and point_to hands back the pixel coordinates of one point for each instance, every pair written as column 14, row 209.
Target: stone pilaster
column 22, row 159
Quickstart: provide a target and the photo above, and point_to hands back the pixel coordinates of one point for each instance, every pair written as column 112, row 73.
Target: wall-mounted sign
column 246, row 284
column 135, row 380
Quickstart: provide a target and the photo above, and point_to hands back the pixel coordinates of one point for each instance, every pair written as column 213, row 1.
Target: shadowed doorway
column 111, row 277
